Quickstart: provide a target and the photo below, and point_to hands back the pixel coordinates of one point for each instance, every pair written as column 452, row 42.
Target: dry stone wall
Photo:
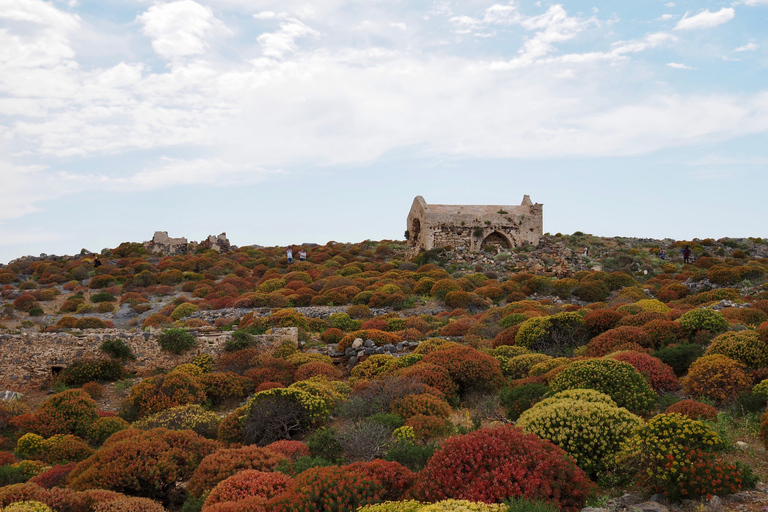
column 29, row 358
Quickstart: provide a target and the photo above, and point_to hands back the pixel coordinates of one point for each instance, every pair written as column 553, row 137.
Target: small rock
column 357, row 343
column 369, row 351
column 741, row 445
column 648, row 506
column 659, row 498
column 352, row 362
column 350, row 352
column 628, row 500
column 369, row 343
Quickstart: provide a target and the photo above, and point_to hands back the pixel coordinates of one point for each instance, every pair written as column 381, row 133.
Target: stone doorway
column 496, row 241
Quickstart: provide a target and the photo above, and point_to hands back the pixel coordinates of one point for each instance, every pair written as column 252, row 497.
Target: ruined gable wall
column 26, row 359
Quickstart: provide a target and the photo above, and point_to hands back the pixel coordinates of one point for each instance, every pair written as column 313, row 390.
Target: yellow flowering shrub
column 762, row 388
column 746, row 347
column 432, row 344
column 519, row 366
column 189, row 369
column 27, row 506
column 332, row 392
column 440, row 506
column 315, row 407
column 205, row 362
column 547, row 366
column 185, row 417
column 585, row 423
column 509, row 351
column 404, row 434
column 716, row 376
column 30, row 444
column 654, row 305
column 374, row 366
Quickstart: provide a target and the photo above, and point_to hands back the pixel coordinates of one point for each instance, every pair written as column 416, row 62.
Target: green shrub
column 176, row 341
column 410, row 455
column 117, row 348
column 79, row 372
column 703, row 319
column 521, row 398
column 617, row 379
column 184, row 417
column 183, row 310
column 240, row 339
column 103, row 297
column 679, row 356
column 743, row 346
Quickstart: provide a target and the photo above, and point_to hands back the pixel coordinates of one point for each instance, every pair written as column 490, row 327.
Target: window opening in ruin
column 56, row 370
column 495, row 240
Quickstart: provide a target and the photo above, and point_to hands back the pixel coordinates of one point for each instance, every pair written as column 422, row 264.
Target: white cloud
column 401, row 26
column 277, row 44
column 678, row 65
column 749, row 47
column 706, row 19
column 665, row 17
column 755, row 2
column 179, row 28
column 669, row 4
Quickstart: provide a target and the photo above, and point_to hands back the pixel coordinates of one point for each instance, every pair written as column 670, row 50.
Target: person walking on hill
column 289, row 255
column 687, row 254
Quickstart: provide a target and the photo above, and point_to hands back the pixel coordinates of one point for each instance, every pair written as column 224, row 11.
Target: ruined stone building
column 161, row 243
column 472, row 227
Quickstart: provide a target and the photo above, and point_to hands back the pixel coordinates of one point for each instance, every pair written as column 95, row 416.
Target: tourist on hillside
column 662, row 254
column 687, row 254
column 302, row 255
column 585, row 252
column 289, row 255
column 96, row 261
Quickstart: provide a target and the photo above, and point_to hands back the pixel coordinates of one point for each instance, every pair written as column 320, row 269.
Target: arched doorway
column 496, row 241
column 415, row 231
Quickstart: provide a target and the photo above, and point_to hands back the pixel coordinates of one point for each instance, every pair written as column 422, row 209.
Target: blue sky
column 309, row 121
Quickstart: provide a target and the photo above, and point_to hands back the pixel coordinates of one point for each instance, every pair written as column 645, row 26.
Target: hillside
column 258, row 382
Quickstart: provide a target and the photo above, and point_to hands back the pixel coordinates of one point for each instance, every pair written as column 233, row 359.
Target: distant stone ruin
column 161, row 243
column 472, row 227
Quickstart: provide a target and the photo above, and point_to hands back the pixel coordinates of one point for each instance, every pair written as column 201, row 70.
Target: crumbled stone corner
column 163, row 244
column 472, row 227
column 29, row 359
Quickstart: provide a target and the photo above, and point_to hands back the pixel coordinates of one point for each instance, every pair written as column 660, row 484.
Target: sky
column 294, row 121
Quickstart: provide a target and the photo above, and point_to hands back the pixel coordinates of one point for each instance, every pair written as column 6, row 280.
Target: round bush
column 590, row 431
column 70, row 412
column 617, row 379
column 693, row 409
column 703, row 319
column 660, row 376
column 162, row 392
column 467, row 367
column 176, row 341
column 620, row 338
column 184, row 417
column 326, row 489
column 424, row 404
column 291, row 449
column 492, row 464
column 248, row 483
column 743, row 346
column 519, row 366
column 664, row 332
column 224, row 463
column 129, row 504
column 28, row 506
column 717, row 377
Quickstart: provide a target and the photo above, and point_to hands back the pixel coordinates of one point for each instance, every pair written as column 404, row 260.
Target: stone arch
column 497, row 240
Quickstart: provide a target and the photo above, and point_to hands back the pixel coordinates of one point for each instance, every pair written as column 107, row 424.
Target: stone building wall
column 472, row 227
column 28, row 359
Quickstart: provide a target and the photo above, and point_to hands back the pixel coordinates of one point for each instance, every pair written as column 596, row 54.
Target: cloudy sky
column 307, row 121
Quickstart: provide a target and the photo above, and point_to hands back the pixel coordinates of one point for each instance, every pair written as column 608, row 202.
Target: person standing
column 687, row 254
column 302, row 255
column 289, row 255
column 96, row 261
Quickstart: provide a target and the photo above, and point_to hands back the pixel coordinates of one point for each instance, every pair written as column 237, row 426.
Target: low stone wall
column 29, row 358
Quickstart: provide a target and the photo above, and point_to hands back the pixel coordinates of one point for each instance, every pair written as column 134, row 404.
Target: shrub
column 441, row 288
column 332, row 335
column 156, row 320
column 703, row 319
column 117, row 348
column 519, row 366
column 81, row 371
column 281, row 413
column 428, row 426
column 28, row 506
column 660, row 376
column 291, row 449
column 222, row 464
column 601, row 320
column 145, row 463
column 395, row 477
column 663, row 332
column 493, row 464
column 61, row 449
column 552, row 333
column 620, row 338
column 70, row 412
column 220, row 386
column 309, row 370
column 518, row 399
column 90, row 323
column 423, row 404
column 717, row 377
column 129, row 504
column 743, row 346
column 329, row 489
column 183, row 417
column 679, row 356
column 248, row 483
column 590, row 431
column 163, row 392
column 103, row 428
column 380, row 338
column 176, row 341
column 432, row 375
column 617, row 379
column 183, row 310
column 55, row 476
column 693, row 410
column 467, row 367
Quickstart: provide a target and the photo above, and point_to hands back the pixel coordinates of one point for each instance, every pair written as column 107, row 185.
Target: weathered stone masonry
column 472, row 227
column 27, row 359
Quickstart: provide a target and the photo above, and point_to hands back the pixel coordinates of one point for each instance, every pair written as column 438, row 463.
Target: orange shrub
column 717, row 377
column 664, row 332
column 395, row 477
column 246, row 484
column 432, row 375
column 620, row 338
column 222, row 464
column 291, row 449
column 163, row 392
column 467, row 367
column 69, row 412
column 601, row 320
column 313, row 369
column 423, row 404
column 659, row 375
column 693, row 409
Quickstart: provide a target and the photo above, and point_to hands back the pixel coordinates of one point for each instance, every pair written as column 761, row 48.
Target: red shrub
column 163, row 392
column 395, row 477
column 379, row 337
column 457, row 328
column 332, row 335
column 432, row 375
column 273, row 369
column 326, row 489
column 469, row 368
column 222, row 464
column 291, row 449
column 147, row 463
column 248, row 483
column 375, row 323
column 506, row 337
column 492, row 464
column 238, row 362
column 220, row 386
column 313, row 369
column 53, row 476
column 620, row 338
column 7, row 458
column 425, row 404
column 660, row 376
column 664, row 332
column 428, row 426
column 640, row 319
column 268, row 385
column 693, row 409
column 601, row 320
